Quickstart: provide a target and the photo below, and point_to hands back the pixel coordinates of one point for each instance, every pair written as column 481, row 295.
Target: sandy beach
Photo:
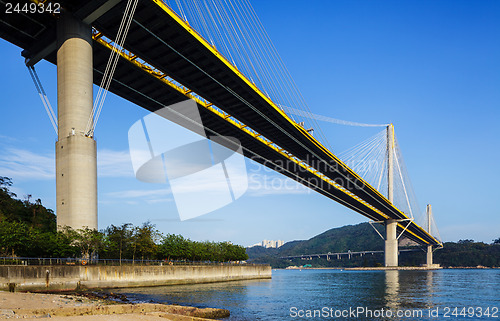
column 72, row 308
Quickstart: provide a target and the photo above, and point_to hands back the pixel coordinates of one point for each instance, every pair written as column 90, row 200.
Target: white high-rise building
column 270, row 243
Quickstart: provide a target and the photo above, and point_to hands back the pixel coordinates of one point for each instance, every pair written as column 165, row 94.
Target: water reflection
column 392, row 289
column 231, row 294
column 337, row 290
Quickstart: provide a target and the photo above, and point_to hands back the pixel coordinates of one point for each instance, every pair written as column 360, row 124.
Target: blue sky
column 430, row 67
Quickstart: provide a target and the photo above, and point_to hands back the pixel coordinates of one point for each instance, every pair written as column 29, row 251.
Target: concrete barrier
column 61, row 278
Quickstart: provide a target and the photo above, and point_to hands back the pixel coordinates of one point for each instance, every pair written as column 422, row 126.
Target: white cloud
column 212, row 181
column 136, row 196
column 112, row 163
column 258, row 186
column 22, row 164
column 4, row 139
column 159, row 200
column 18, row 191
column 136, row 193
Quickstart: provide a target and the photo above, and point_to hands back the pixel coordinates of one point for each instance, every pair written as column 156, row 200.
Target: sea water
column 468, row 294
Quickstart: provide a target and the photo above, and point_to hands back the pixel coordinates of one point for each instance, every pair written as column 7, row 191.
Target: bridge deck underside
column 159, row 39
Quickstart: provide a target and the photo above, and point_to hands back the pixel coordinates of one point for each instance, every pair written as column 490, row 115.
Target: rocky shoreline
column 89, row 305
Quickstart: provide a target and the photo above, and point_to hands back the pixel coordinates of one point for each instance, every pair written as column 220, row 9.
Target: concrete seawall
column 60, row 278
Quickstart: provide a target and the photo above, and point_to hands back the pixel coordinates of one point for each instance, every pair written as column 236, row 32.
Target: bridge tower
column 391, row 241
column 429, row 247
column 76, row 158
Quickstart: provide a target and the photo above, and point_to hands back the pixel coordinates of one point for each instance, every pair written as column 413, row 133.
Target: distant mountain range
column 362, row 237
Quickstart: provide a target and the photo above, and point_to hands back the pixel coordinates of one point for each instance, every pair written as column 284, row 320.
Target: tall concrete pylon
column 391, row 241
column 76, row 156
column 429, row 247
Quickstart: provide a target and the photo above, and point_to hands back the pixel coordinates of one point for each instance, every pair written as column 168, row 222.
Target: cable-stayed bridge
column 157, row 53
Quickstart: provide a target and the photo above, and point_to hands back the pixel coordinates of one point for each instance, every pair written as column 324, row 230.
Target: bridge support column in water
column 429, row 247
column 76, row 156
column 391, row 241
column 429, row 255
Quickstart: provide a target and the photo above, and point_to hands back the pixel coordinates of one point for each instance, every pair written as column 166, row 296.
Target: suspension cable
column 43, row 97
column 111, row 66
column 334, row 120
column 263, row 115
column 295, row 176
column 402, row 182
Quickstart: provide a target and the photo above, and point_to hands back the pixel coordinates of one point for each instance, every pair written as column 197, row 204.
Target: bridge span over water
column 164, row 61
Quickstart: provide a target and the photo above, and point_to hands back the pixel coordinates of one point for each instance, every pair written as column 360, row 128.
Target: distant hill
column 359, row 237
column 362, row 237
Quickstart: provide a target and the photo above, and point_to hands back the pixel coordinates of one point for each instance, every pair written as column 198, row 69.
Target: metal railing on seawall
column 110, row 262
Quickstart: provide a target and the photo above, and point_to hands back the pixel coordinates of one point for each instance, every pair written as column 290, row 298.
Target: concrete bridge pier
column 391, row 243
column 76, row 161
column 429, row 224
column 429, row 255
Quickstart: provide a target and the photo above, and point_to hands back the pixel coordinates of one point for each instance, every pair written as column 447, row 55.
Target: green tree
column 42, row 218
column 197, row 251
column 9, row 207
column 89, row 241
column 143, row 241
column 240, row 253
column 59, row 244
column 118, row 239
column 29, row 229
column 175, row 247
column 13, row 210
column 14, row 238
column 5, row 183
